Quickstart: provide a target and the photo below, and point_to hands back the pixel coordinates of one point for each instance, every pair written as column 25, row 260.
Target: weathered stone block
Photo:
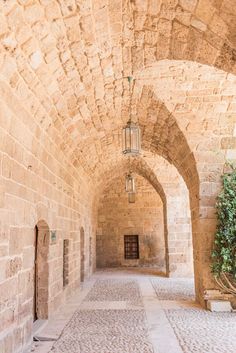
column 219, row 305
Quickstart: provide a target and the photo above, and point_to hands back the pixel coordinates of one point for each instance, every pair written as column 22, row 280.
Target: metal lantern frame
column 129, row 183
column 131, row 139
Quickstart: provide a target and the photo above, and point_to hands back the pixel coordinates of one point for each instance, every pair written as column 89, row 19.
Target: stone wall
column 117, row 217
column 180, row 247
column 37, row 184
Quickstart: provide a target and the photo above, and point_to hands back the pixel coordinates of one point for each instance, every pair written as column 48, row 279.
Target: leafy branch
column 224, row 252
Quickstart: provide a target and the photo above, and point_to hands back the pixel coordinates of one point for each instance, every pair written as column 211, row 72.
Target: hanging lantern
column 131, row 139
column 129, row 184
column 131, row 197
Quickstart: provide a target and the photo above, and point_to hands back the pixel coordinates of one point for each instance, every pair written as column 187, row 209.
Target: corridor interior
column 136, row 311
column 74, row 76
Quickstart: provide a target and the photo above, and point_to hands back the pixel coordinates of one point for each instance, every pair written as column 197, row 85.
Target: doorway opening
column 41, row 271
column 82, row 255
column 65, row 262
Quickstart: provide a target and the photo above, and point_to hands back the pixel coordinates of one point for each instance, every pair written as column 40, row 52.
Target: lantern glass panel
column 128, row 144
column 123, row 140
column 131, row 197
column 132, row 138
column 137, row 140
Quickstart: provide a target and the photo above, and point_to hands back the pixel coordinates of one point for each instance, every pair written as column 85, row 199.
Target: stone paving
column 115, row 290
column 174, row 288
column 95, row 328
column 122, row 312
column 105, row 331
column 197, row 330
column 201, row 331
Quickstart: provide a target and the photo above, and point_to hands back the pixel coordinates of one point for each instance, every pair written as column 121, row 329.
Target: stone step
column 219, row 305
column 38, row 325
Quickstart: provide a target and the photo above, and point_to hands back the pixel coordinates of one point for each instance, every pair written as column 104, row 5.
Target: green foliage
column 224, row 253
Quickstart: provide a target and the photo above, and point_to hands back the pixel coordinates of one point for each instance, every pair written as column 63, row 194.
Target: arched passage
column 131, row 234
column 141, row 168
column 41, row 271
column 175, row 199
column 64, row 99
column 161, row 135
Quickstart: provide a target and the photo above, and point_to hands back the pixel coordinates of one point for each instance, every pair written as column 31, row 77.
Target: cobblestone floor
column 103, row 330
column 174, row 288
column 120, row 312
column 197, row 330
column 115, row 290
column 201, row 331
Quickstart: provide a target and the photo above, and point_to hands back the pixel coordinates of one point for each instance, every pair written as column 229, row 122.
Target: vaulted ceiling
column 68, row 62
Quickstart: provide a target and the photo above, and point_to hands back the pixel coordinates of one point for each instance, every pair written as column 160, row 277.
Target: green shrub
column 224, row 253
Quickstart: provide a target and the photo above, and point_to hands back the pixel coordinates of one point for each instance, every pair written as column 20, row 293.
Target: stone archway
column 131, row 234
column 41, row 271
column 82, row 255
column 172, row 190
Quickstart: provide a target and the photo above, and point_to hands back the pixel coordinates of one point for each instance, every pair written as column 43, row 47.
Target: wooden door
column 35, row 316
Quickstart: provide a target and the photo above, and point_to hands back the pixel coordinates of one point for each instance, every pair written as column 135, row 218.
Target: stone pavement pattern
column 197, row 330
column 115, row 290
column 121, row 311
column 201, row 331
column 105, row 330
column 174, row 288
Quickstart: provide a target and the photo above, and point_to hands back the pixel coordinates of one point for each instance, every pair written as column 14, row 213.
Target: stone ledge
column 215, row 294
column 219, row 306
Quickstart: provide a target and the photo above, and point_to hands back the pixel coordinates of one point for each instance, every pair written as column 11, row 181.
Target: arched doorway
column 82, row 255
column 41, row 271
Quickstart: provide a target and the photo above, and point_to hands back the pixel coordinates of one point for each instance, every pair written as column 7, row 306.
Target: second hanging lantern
column 129, row 183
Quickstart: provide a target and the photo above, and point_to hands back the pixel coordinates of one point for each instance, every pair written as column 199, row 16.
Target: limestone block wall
column 117, row 217
column 180, row 247
column 36, row 184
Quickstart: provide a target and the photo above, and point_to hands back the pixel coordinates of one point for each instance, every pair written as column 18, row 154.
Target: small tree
column 224, row 253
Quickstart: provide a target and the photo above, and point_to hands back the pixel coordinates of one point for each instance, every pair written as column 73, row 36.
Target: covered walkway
column 131, row 311
column 74, row 75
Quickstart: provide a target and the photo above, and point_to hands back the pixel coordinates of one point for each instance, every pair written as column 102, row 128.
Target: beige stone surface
column 64, row 98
